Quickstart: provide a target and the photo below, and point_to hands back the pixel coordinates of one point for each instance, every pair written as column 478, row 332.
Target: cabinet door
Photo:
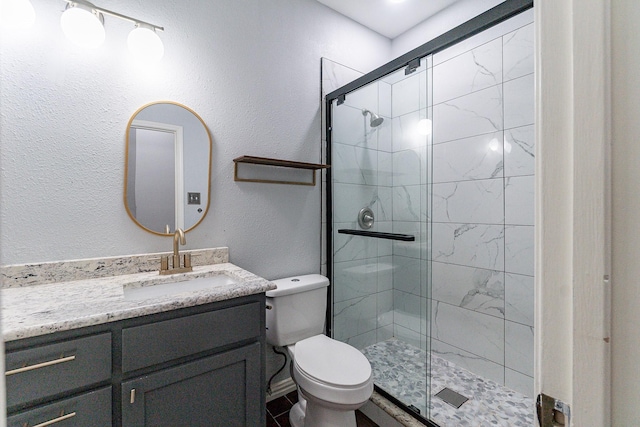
column 221, row 390
column 87, row 410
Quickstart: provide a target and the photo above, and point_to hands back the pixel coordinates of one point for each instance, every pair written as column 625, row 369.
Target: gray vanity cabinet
column 54, row 371
column 196, row 366
column 203, row 370
column 218, row 390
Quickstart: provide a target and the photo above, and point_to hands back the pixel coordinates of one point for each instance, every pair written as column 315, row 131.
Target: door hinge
column 412, row 66
column 552, row 412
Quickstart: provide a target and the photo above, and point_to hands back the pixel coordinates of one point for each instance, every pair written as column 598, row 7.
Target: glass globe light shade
column 145, row 44
column 18, row 14
column 82, row 27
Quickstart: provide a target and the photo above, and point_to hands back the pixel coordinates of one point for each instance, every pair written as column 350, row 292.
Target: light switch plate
column 193, row 198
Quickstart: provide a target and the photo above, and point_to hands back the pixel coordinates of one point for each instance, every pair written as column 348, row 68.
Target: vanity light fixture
column 83, row 23
column 144, row 43
column 18, row 14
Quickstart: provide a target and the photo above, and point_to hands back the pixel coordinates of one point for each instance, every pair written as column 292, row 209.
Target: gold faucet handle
column 164, row 262
column 176, row 261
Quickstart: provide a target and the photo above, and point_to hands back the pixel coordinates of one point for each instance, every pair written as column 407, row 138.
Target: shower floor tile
column 400, row 369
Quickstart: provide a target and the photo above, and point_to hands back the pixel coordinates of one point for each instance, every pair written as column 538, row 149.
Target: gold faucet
column 176, row 251
column 178, row 265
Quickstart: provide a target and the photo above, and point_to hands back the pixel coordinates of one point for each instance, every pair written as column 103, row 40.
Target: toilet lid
column 332, row 362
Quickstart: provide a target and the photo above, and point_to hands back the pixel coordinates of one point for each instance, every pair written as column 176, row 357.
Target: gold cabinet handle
column 40, row 365
column 56, row 420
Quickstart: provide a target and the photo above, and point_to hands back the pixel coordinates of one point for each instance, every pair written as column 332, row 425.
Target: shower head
column 376, row 120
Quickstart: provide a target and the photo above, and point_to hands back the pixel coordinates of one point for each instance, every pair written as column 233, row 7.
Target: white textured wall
column 250, row 68
column 454, row 15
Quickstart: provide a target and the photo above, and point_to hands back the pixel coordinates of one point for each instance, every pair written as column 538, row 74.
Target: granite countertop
column 45, row 308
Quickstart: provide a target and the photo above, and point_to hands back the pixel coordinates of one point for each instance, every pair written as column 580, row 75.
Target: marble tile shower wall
column 482, row 192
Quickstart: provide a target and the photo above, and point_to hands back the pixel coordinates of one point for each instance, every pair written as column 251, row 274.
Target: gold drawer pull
column 56, row 420
column 40, row 365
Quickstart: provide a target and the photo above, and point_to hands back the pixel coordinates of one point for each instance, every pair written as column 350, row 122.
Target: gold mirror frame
column 126, row 166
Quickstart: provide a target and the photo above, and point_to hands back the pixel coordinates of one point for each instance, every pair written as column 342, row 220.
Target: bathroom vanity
column 97, row 355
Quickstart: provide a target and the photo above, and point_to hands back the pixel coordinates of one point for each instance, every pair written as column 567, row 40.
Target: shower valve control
column 365, row 218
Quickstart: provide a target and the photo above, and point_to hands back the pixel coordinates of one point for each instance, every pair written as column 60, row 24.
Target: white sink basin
column 171, row 288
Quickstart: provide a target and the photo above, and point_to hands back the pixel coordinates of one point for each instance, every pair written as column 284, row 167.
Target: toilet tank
column 296, row 309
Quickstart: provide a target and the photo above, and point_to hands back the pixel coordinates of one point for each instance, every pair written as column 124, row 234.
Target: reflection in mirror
column 168, row 168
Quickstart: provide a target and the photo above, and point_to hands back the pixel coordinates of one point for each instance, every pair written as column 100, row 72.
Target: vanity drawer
column 87, row 410
column 159, row 342
column 39, row 372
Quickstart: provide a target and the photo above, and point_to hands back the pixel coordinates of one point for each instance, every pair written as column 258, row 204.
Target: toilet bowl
column 333, row 378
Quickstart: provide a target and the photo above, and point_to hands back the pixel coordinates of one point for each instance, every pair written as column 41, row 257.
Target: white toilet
column 333, row 378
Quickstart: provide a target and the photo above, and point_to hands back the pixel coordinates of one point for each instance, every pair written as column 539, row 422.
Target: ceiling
column 387, row 17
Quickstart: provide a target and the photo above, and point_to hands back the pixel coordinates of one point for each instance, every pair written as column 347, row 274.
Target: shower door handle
column 379, row 235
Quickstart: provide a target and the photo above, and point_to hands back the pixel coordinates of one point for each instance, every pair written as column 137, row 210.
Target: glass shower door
column 445, row 317
column 380, row 172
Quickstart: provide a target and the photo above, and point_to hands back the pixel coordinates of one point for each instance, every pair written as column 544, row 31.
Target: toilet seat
column 332, row 371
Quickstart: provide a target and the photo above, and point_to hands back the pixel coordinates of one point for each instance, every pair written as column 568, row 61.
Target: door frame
column 573, row 219
column 178, row 135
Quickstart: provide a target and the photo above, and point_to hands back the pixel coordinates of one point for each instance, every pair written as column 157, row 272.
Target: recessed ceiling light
column 396, row 1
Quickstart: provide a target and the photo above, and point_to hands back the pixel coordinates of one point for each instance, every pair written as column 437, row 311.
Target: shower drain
column 451, row 397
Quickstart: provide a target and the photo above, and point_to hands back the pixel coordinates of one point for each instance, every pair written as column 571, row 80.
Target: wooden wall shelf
column 264, row 161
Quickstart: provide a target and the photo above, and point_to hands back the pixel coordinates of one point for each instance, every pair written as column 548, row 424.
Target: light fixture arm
column 114, row 14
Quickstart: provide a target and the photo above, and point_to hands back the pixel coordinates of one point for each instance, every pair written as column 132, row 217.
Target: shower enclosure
column 430, row 222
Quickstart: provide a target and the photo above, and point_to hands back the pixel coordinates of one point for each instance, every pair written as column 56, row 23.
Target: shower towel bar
column 379, row 235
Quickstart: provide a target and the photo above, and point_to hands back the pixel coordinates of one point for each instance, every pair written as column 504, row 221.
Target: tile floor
column 401, row 369
column 278, row 412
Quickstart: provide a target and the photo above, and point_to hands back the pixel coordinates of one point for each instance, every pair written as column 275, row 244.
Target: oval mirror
column 167, row 168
